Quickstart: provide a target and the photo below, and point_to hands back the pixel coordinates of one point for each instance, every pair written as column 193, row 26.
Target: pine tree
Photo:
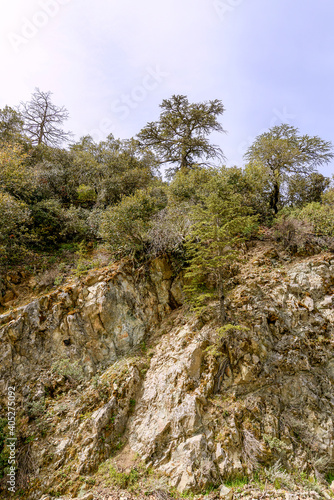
column 220, row 223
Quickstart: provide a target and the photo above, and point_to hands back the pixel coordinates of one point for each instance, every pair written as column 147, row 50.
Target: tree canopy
column 282, row 151
column 11, row 126
column 180, row 136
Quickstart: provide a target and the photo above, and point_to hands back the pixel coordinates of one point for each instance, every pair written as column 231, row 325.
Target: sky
column 111, row 63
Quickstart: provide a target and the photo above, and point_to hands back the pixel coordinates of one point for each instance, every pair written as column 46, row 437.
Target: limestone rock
column 226, row 493
column 88, row 496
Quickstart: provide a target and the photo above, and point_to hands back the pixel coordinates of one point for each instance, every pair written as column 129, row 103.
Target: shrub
column 14, row 217
column 53, row 224
column 292, row 232
column 36, row 408
column 321, row 216
column 69, row 369
column 124, row 480
column 86, row 194
column 15, row 177
column 125, row 227
column 169, row 229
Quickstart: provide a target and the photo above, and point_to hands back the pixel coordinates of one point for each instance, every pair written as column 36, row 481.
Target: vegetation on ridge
column 112, row 193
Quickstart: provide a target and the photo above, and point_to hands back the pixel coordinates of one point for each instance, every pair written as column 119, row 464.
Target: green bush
column 124, row 480
column 54, row 224
column 36, row 408
column 86, row 195
column 14, row 218
column 321, row 216
column 125, row 227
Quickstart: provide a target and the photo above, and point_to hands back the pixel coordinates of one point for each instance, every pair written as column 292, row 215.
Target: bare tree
column 43, row 120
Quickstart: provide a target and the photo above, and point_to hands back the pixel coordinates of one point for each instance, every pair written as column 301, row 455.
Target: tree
column 220, row 222
column 282, row 151
column 15, row 177
column 11, row 126
column 114, row 167
column 180, row 137
column 302, row 190
column 43, row 120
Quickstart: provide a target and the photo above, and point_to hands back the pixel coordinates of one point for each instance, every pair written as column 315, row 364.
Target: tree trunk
column 274, row 198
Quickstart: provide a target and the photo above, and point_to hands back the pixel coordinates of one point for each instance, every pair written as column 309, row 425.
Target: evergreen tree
column 180, row 137
column 220, row 222
column 282, row 151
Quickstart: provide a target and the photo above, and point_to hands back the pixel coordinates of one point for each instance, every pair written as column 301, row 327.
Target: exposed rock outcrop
column 94, row 321
column 262, row 393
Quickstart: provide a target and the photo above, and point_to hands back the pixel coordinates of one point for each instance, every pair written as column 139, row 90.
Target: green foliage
column 191, row 186
column 320, row 216
column 255, row 184
column 237, row 482
column 124, row 480
column 15, row 177
column 219, row 223
column 52, row 197
column 302, row 190
column 84, row 264
column 113, row 168
column 179, row 138
column 11, row 126
column 330, row 477
column 86, row 194
column 53, row 224
column 125, row 227
column 275, row 444
column 69, row 369
column 14, row 219
column 58, row 280
column 36, row 408
column 282, row 151
column 328, row 197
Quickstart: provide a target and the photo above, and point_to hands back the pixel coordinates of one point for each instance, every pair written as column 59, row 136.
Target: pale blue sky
column 111, row 63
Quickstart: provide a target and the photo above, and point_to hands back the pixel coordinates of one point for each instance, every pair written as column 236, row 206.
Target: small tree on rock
column 220, row 222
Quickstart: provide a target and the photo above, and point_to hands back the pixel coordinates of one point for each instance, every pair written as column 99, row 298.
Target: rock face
column 167, row 427
column 93, row 321
column 200, row 406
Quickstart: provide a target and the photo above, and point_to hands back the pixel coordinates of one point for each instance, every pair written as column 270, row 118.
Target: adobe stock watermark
column 224, row 7
column 122, row 107
column 279, row 116
column 11, row 440
column 30, row 27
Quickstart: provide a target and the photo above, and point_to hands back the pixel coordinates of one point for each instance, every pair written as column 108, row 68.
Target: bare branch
column 43, row 120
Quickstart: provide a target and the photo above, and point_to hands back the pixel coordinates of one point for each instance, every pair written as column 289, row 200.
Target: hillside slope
column 119, row 385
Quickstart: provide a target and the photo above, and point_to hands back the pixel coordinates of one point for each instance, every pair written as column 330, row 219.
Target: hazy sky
column 112, row 62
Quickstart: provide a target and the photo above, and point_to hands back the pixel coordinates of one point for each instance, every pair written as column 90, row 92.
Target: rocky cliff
column 117, row 381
